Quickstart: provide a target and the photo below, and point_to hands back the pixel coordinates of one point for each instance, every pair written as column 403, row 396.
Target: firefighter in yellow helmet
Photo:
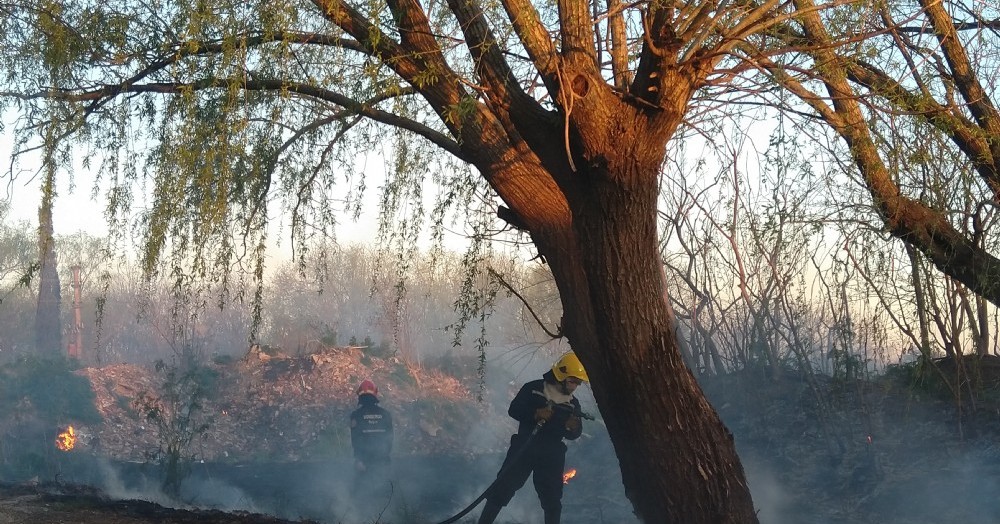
column 547, row 412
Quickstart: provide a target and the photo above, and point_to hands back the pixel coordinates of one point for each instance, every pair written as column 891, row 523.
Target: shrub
column 178, row 413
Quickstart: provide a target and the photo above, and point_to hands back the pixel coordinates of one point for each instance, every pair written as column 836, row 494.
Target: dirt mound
column 271, row 406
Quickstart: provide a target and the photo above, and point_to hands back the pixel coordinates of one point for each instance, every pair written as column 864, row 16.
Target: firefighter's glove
column 543, row 414
column 573, row 424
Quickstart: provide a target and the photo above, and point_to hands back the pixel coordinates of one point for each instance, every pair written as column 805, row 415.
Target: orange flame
column 67, row 439
column 568, row 475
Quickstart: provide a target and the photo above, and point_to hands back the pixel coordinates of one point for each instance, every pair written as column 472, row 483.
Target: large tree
column 563, row 110
column 910, row 88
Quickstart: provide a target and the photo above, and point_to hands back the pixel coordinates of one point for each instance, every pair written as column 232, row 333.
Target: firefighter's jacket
column 543, row 454
column 371, row 431
column 532, row 397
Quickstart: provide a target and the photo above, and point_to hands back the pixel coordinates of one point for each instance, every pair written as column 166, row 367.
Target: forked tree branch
column 510, row 289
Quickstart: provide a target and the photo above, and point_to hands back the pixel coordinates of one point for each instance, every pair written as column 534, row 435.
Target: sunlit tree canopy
column 205, row 121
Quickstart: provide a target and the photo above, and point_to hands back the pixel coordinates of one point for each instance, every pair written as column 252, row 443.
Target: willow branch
column 510, row 289
column 536, row 40
column 279, row 85
column 619, row 45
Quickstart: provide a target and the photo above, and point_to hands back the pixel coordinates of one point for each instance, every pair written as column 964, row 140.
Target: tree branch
column 503, row 93
column 178, row 51
column 959, row 26
column 963, row 74
column 278, row 85
column 534, row 315
column 972, row 140
column 576, row 31
column 619, row 46
column 424, row 68
column 535, row 38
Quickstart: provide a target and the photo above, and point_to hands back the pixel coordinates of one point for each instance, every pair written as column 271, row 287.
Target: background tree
column 15, row 257
column 18, row 267
column 912, row 75
column 908, row 90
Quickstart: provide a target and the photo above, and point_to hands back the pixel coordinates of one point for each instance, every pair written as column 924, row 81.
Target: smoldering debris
column 424, row 489
column 54, row 503
column 275, row 440
column 815, row 450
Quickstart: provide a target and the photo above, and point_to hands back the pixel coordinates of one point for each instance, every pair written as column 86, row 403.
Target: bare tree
column 925, row 67
column 18, row 267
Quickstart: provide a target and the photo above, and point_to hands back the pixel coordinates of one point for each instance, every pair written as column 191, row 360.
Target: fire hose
column 513, row 459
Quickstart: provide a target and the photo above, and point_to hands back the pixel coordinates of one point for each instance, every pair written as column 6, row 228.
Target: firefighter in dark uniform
column 547, row 412
column 371, row 438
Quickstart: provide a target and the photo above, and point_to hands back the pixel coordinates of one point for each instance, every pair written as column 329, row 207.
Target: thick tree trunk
column 678, row 461
column 587, row 191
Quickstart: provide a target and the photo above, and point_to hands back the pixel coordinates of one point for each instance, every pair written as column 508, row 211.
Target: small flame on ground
column 568, row 475
column 67, row 439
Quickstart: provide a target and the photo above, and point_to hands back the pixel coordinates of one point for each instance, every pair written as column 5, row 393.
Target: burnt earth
column 900, row 448
column 61, row 504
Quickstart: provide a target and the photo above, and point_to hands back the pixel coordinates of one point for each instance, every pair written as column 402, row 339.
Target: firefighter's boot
column 489, row 514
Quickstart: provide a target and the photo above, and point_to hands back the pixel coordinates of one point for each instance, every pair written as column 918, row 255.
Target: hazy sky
column 77, row 210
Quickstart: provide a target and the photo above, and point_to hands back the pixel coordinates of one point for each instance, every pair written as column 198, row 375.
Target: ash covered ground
column 273, row 439
column 895, row 449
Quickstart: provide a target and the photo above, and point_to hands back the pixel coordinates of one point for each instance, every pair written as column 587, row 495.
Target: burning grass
column 66, row 440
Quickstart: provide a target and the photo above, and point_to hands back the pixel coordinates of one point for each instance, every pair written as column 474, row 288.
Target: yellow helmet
column 569, row 366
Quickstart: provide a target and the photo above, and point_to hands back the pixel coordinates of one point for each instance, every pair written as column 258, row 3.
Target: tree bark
column 658, row 418
column 605, row 260
column 48, row 328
